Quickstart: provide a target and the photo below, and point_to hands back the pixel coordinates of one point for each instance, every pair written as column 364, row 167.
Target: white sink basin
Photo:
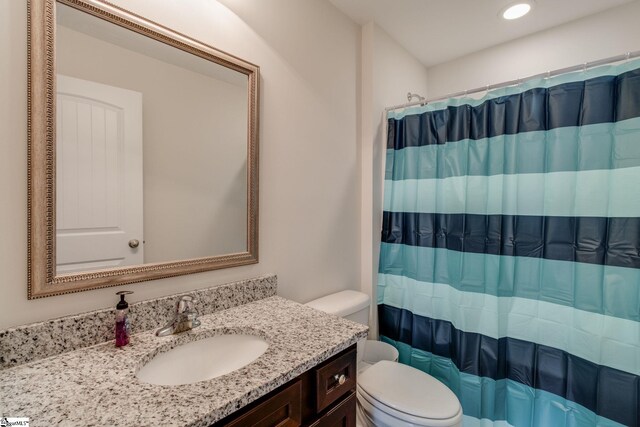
column 203, row 359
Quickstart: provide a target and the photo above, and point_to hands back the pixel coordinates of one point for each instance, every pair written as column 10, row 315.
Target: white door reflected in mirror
column 99, row 176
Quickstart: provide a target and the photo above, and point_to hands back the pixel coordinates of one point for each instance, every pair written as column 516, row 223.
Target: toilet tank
column 352, row 305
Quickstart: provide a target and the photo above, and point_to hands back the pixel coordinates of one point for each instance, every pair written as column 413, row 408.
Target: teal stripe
column 599, row 193
column 505, row 400
column 607, row 70
column 612, row 291
column 600, row 146
column 468, row 421
column 607, row 341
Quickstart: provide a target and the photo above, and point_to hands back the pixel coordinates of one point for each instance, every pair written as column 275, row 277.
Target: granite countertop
column 97, row 386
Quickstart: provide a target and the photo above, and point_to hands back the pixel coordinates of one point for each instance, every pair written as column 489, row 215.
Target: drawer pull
column 335, row 379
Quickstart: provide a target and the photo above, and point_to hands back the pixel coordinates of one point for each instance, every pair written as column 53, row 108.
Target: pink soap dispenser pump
column 123, row 329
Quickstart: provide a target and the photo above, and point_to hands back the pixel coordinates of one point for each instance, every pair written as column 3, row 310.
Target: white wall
column 388, row 73
column 612, row 32
column 309, row 167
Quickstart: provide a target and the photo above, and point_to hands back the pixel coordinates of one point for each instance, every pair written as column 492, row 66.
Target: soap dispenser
column 123, row 328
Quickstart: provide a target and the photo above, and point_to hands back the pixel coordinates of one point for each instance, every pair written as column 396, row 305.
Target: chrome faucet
column 185, row 318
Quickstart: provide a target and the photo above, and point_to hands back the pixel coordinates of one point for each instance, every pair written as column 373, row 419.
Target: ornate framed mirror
column 143, row 151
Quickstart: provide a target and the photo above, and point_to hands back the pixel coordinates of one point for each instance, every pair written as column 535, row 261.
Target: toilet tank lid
column 341, row 303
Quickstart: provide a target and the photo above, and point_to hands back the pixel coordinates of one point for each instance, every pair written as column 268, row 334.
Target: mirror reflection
column 151, row 150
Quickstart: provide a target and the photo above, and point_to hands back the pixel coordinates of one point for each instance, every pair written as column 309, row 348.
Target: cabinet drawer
column 281, row 410
column 335, row 379
column 343, row 415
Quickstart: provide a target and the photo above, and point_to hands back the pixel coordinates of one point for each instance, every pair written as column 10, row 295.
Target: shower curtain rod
column 516, row 82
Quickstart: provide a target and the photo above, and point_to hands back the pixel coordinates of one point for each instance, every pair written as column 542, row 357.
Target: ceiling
column 437, row 31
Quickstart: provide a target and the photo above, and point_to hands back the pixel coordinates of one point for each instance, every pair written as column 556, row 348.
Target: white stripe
column 602, row 193
column 604, row 340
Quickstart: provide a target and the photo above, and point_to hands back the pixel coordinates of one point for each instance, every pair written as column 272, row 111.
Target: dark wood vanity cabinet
column 324, row 396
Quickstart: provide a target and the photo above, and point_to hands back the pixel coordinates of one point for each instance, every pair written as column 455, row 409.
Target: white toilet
column 391, row 394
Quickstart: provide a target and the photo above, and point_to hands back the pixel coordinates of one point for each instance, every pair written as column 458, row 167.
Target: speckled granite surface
column 97, row 386
column 44, row 339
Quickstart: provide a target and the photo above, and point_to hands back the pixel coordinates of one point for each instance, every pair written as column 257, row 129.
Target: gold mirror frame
column 42, row 278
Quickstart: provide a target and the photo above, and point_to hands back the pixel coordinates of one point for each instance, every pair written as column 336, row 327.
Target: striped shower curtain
column 510, row 254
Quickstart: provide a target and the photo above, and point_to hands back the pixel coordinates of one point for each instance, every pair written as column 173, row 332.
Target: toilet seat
column 400, row 392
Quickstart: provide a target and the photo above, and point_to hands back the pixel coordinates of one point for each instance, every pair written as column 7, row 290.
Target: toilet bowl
column 373, row 352
column 391, row 394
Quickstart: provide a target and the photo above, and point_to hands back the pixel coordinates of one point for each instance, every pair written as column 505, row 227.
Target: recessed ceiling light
column 516, row 11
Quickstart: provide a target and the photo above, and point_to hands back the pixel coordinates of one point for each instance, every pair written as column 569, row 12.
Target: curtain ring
column 584, row 67
column 548, row 76
column 628, row 56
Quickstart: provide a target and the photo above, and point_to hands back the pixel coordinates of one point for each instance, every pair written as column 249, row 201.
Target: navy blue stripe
column 608, row 392
column 602, row 99
column 593, row 240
